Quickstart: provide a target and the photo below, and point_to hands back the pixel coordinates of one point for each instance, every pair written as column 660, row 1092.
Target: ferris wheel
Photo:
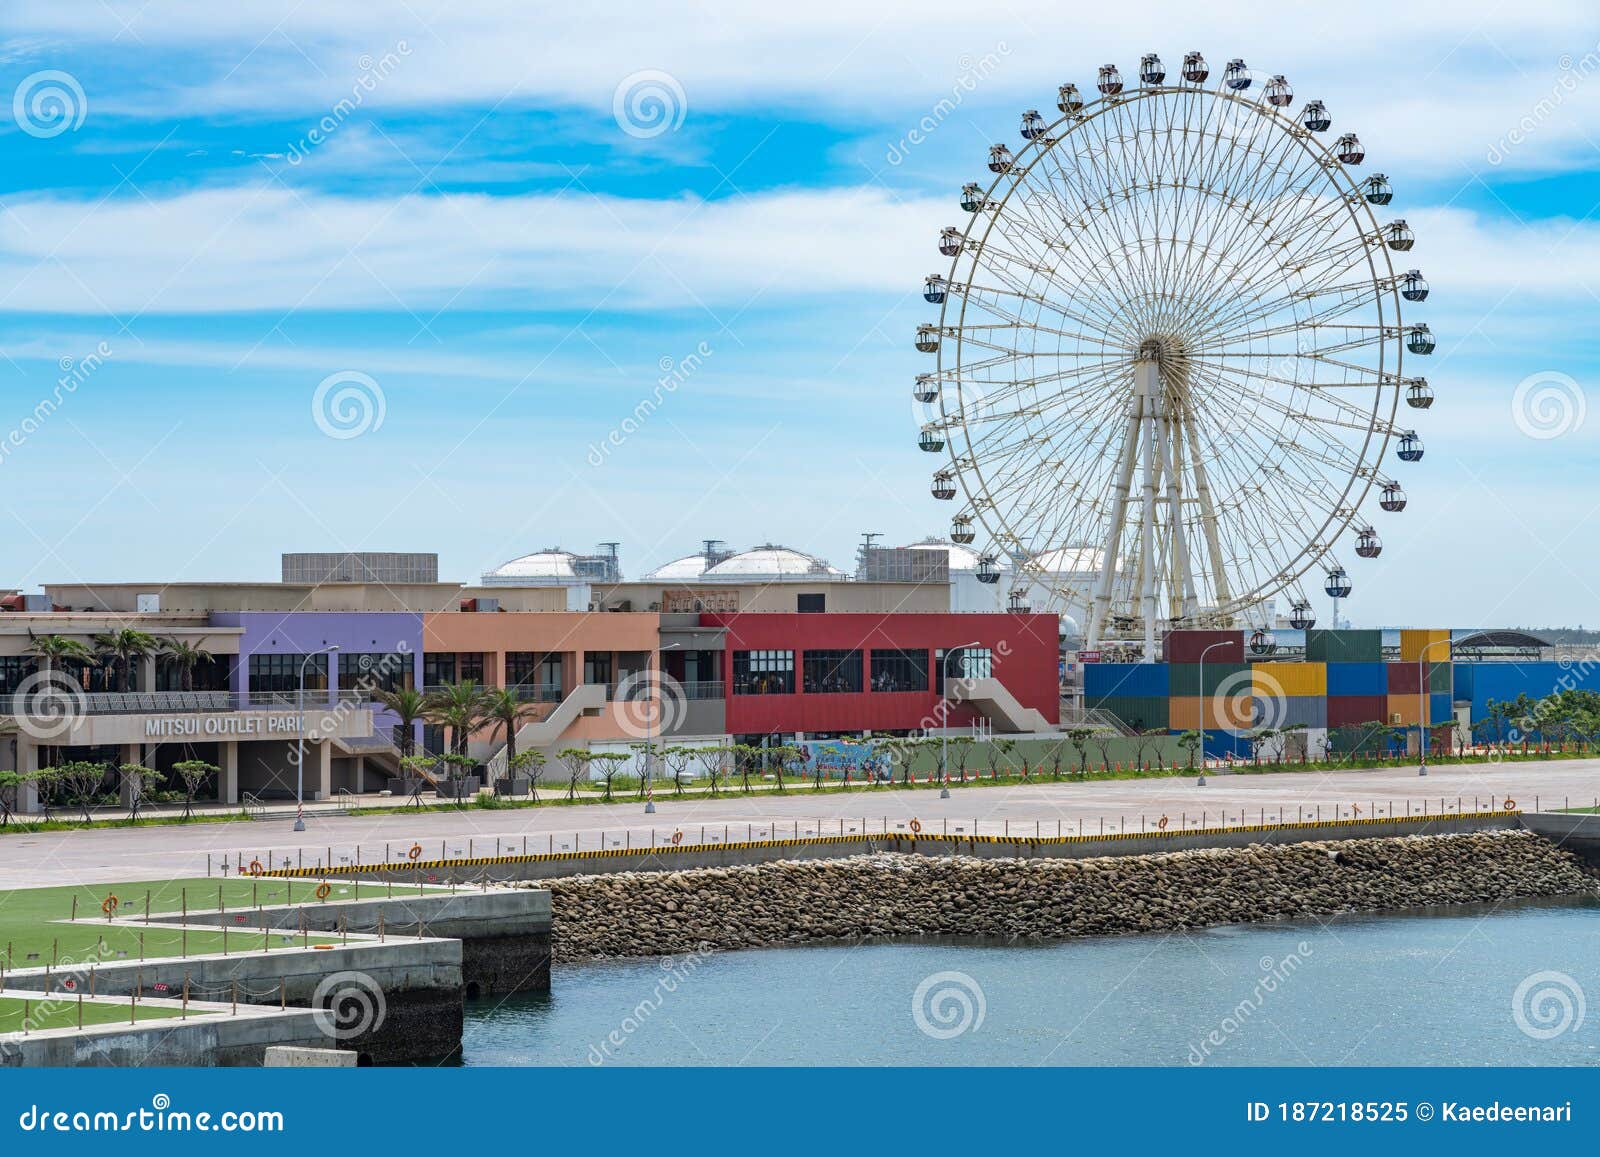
column 1170, row 350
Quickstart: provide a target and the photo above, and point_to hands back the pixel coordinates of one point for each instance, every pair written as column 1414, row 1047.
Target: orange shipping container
column 1408, row 707
column 1193, row 713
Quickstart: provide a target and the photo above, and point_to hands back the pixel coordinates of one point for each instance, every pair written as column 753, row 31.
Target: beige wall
column 15, row 628
column 200, row 598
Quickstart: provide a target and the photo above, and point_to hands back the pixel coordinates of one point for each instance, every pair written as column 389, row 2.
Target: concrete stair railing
column 998, row 705
column 547, row 731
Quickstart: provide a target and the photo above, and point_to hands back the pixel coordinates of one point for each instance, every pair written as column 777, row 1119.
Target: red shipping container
column 1353, row 710
column 1404, row 678
column 1188, row 646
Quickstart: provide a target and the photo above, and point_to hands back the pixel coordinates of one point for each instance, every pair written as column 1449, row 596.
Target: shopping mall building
column 760, row 647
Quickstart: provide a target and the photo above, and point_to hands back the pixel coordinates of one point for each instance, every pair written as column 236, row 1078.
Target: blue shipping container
column 1439, row 708
column 1503, row 682
column 1221, row 744
column 1358, row 679
column 1125, row 680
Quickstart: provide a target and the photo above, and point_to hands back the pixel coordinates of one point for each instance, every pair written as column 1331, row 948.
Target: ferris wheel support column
column 1183, row 596
column 1119, row 517
column 1147, row 381
column 1208, row 514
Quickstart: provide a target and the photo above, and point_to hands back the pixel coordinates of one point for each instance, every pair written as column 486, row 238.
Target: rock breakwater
column 894, row 895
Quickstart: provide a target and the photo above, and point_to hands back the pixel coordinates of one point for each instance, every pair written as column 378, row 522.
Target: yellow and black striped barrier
column 880, row 837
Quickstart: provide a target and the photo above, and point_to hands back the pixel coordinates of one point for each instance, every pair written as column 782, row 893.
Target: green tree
column 506, row 710
column 140, row 780
column 715, row 761
column 610, row 763
column 963, row 745
column 121, row 649
column 1079, row 738
column 54, row 650
column 81, row 781
column 408, row 705
column 576, row 761
column 193, row 774
column 528, row 763
column 185, row 656
column 460, row 707
column 1190, row 741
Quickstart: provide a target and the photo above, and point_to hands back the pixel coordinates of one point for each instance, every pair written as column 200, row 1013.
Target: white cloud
column 1439, row 84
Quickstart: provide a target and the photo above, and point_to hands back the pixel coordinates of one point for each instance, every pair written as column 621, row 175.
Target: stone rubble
column 895, row 895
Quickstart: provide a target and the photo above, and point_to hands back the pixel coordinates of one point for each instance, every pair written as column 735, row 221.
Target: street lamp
column 944, row 732
column 300, row 763
column 1425, row 716
column 649, row 783
column 1201, row 782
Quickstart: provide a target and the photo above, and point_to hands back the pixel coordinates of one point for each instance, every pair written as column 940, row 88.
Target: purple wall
column 302, row 632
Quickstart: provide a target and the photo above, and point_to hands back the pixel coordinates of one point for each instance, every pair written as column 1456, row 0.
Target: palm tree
column 410, row 705
column 503, row 707
column 122, row 648
column 186, row 656
column 460, row 707
column 52, row 650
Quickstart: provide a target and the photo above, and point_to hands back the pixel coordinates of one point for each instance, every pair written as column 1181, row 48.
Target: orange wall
column 501, row 631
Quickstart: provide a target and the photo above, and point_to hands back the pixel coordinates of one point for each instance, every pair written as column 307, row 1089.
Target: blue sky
column 480, row 237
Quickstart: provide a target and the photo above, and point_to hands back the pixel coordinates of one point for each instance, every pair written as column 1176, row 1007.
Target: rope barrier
column 1034, row 841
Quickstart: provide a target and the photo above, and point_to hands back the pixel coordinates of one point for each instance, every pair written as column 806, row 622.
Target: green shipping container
column 1439, row 676
column 1184, row 679
column 1344, row 646
column 1148, row 713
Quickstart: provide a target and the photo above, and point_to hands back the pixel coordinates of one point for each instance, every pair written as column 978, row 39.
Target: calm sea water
column 1457, row 989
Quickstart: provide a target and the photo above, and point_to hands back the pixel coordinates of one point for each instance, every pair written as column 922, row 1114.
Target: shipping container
column 1216, row 646
column 1137, row 680
column 1144, row 713
column 1356, row 710
column 1197, row 713
column 1358, row 679
column 1478, row 683
column 1431, row 645
column 1291, row 711
column 1344, row 646
column 1409, row 707
column 1269, row 679
column 1441, row 709
column 1184, row 678
column 1222, row 743
column 1406, row 678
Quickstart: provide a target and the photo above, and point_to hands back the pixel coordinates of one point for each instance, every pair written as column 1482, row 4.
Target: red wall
column 1024, row 647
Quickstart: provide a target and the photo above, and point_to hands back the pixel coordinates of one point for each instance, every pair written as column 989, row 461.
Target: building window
column 438, row 668
column 469, row 667
column 763, row 672
column 208, row 675
column 832, row 672
column 899, row 670
column 13, row 670
column 811, row 604
column 597, row 667
column 373, row 672
column 275, row 674
column 965, row 663
column 533, row 670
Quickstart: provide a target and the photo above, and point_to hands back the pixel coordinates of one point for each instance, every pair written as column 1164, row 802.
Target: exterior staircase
column 998, row 705
column 547, row 732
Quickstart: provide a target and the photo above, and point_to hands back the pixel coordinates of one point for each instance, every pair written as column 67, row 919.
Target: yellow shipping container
column 1194, row 713
column 1269, row 680
column 1416, row 644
